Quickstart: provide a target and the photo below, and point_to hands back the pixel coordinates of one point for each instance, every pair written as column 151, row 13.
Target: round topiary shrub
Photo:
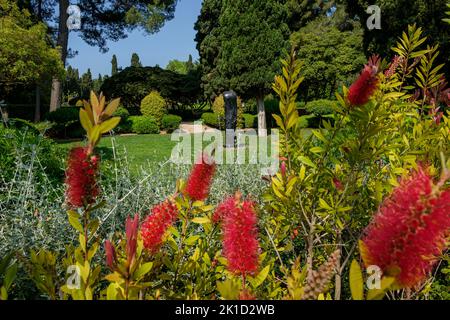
column 170, row 122
column 125, row 124
column 320, row 107
column 218, row 108
column 143, row 124
column 212, row 119
column 63, row 115
column 250, row 120
column 122, row 113
column 153, row 105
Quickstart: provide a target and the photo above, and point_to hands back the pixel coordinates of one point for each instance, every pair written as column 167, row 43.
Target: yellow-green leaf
column 112, row 107
column 109, row 124
column 356, row 281
column 201, row 220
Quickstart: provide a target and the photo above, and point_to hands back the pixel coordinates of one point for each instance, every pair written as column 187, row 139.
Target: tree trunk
column 37, row 110
column 262, row 127
column 62, row 43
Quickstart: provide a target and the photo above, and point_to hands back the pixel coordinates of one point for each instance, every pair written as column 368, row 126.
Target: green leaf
column 143, row 270
column 307, row 161
column 85, row 121
column 259, row 279
column 112, row 107
column 109, row 124
column 201, row 220
column 191, row 240
column 9, row 276
column 378, row 294
column 324, row 205
column 74, row 220
column 356, row 281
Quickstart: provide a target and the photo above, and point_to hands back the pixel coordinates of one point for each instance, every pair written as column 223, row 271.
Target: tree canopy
column 25, row 54
column 134, row 83
column 396, row 15
column 332, row 57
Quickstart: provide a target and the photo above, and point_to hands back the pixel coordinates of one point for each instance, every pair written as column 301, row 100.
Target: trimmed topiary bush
column 250, row 120
column 213, row 120
column 63, row 115
column 320, row 107
column 143, row 124
column 154, row 105
column 67, row 124
column 170, row 122
column 125, row 124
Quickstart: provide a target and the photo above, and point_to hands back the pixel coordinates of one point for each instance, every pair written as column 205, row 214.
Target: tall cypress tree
column 253, row 35
column 135, row 61
column 114, row 68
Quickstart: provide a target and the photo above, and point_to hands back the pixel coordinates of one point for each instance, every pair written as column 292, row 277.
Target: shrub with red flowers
column 199, row 182
column 81, row 177
column 409, row 233
column 364, row 87
column 154, row 227
column 353, row 180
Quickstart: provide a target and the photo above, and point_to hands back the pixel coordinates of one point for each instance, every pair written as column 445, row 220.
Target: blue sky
column 174, row 41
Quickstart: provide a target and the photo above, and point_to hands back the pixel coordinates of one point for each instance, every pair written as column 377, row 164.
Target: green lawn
column 141, row 149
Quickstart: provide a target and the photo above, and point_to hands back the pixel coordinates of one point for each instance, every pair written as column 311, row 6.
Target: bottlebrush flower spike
column 408, row 233
column 199, row 182
column 81, row 174
column 131, row 232
column 366, row 84
column 228, row 205
column 156, row 224
column 111, row 258
column 246, row 295
column 240, row 237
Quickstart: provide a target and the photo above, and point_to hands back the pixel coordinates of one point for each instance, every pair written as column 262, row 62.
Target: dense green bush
column 170, row 122
column 125, row 123
column 122, row 113
column 143, row 124
column 63, row 115
column 153, row 105
column 66, row 122
column 250, row 120
column 212, row 120
column 305, row 121
column 20, row 146
column 320, row 107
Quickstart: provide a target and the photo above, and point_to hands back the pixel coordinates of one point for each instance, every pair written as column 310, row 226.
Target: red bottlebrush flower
column 338, row 184
column 410, row 229
column 364, row 87
column 156, row 224
column 240, row 237
column 111, row 258
column 246, row 295
column 81, row 174
column 283, row 169
column 227, row 206
column 131, row 232
column 199, row 182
